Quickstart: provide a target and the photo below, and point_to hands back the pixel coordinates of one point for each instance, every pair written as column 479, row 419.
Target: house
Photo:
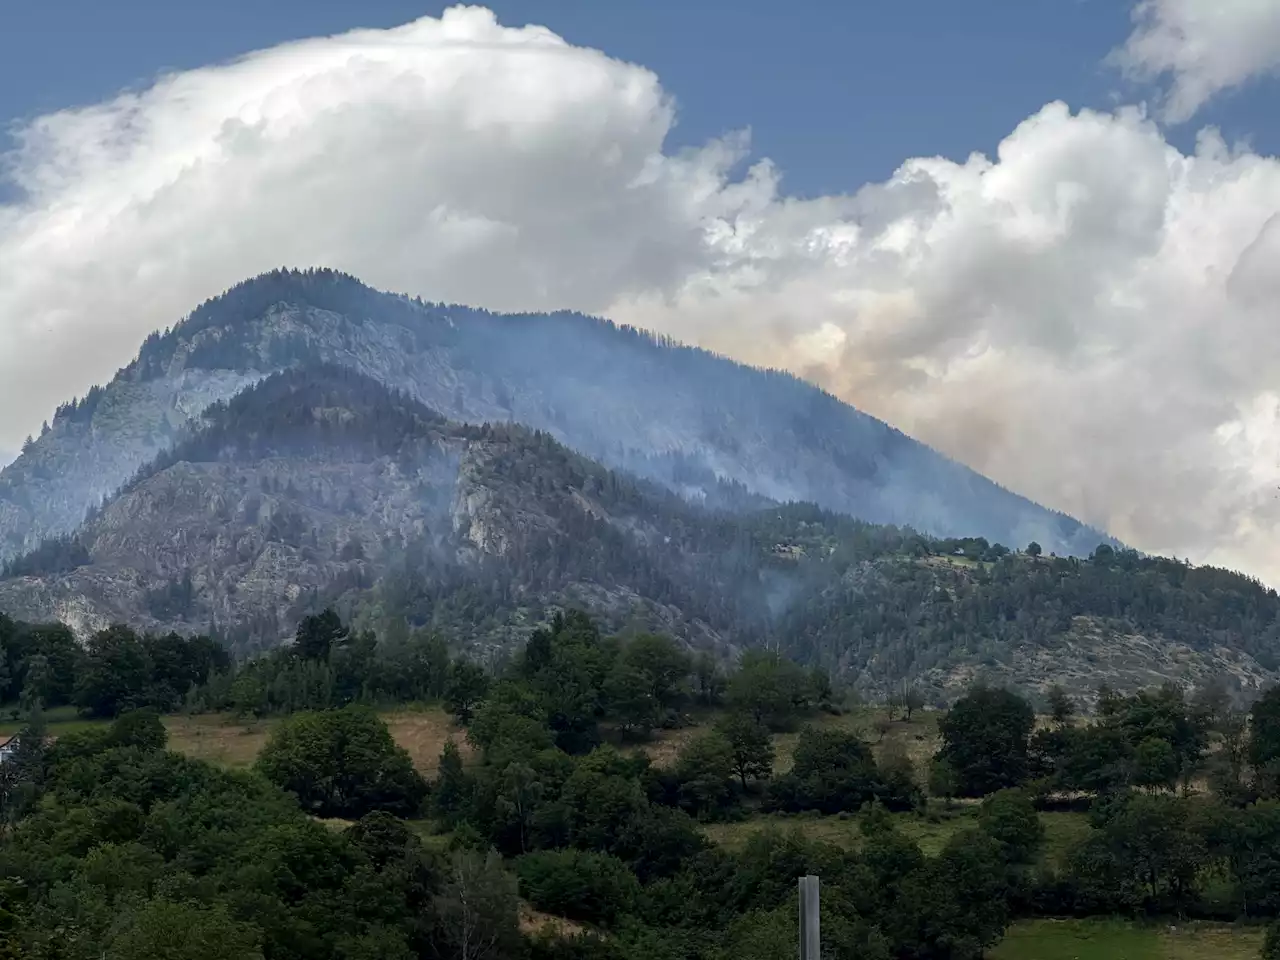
column 8, row 747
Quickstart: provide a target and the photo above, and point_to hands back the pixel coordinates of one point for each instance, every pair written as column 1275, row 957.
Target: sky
column 1041, row 236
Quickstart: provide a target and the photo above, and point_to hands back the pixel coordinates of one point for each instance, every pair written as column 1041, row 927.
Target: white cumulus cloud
column 1087, row 316
column 1202, row 47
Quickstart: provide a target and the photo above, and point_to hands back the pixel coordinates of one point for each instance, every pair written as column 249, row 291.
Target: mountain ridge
column 632, row 400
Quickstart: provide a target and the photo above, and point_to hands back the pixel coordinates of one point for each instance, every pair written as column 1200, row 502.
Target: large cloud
column 1203, row 46
column 1088, row 317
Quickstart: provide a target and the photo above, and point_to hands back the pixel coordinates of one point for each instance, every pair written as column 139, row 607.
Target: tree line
column 1182, row 796
column 114, row 670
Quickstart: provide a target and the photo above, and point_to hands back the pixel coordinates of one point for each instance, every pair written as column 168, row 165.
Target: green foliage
column 962, row 894
column 133, row 852
column 162, row 930
column 477, row 910
column 580, row 885
column 1010, row 818
column 648, row 681
column 1155, row 764
column 1151, row 849
column 138, row 728
column 1061, row 707
column 121, row 670
column 985, row 740
column 53, row 556
column 512, row 721
column 771, row 689
column 663, row 667
column 750, row 746
column 833, row 771
column 1153, row 739
column 342, row 763
column 705, row 772
column 902, row 615
column 465, row 686
column 318, row 634
column 1264, row 736
column 451, row 792
column 116, row 842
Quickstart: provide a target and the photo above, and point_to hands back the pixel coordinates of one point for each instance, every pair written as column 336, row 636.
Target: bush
column 342, row 763
column 835, row 771
column 578, row 884
column 138, row 728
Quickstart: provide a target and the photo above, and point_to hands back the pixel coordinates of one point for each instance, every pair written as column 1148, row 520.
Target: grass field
column 1119, row 940
column 1063, row 831
column 842, row 831
column 224, row 740
column 918, row 739
column 59, row 719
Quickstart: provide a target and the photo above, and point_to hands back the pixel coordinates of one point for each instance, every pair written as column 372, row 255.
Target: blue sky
column 837, row 93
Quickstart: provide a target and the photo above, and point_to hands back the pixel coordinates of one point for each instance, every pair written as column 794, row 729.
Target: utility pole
column 810, row 948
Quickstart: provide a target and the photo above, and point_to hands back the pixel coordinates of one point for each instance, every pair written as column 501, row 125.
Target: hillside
column 318, row 485
column 681, row 416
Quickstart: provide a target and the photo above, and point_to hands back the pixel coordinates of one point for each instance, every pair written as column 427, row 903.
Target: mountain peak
column 677, row 415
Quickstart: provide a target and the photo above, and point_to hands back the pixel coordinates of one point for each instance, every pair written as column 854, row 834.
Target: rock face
column 680, row 416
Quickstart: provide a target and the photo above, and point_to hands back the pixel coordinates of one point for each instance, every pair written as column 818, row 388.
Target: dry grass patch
column 535, row 921
column 227, row 741
column 219, row 738
column 423, row 733
column 665, row 745
column 336, row 824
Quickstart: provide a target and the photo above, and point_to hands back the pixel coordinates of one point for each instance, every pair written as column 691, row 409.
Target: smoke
column 1085, row 317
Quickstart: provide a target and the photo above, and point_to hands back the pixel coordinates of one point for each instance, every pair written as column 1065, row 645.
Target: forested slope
column 320, row 486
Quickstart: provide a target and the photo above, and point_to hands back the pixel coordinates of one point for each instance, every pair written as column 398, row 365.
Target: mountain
column 320, row 485
column 678, row 415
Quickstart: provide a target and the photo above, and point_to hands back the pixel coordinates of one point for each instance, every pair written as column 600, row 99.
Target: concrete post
column 810, row 942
